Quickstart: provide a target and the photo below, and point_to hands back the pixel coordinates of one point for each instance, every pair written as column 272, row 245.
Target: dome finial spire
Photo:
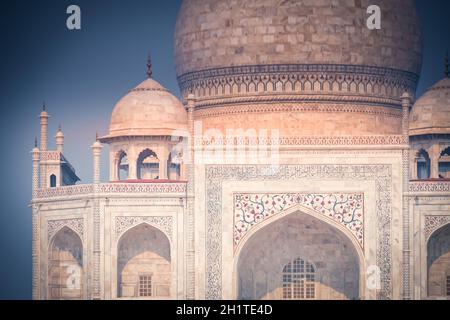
column 447, row 71
column 149, row 65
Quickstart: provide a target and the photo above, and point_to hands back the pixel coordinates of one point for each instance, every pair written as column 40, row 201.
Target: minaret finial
column 447, row 71
column 96, row 136
column 35, row 142
column 59, row 127
column 43, row 106
column 149, row 66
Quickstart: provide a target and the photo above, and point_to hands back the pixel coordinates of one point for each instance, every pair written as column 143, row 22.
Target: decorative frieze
column 108, row 188
column 373, row 82
column 303, row 141
column 429, row 186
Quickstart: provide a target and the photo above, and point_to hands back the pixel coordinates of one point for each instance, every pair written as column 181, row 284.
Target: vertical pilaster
column 190, row 219
column 406, row 243
column 36, row 227
column 96, row 285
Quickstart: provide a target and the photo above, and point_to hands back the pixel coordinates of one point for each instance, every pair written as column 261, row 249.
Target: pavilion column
column 163, row 160
column 132, row 165
column 433, row 152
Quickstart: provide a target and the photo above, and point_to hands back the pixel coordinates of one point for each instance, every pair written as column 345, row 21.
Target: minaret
column 35, row 157
column 44, row 124
column 96, row 151
column 59, row 140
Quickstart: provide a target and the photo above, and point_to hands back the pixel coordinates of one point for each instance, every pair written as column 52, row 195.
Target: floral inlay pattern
column 345, row 208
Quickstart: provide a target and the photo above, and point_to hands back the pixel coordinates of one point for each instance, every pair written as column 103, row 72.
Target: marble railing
column 111, row 188
column 427, row 186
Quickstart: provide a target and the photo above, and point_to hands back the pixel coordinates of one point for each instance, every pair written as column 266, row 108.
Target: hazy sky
column 81, row 75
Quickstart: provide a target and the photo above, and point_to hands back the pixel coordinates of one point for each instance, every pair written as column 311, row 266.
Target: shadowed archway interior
column 438, row 263
column 143, row 264
column 65, row 266
column 298, row 257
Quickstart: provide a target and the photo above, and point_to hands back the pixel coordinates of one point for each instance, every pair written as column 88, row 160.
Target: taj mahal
column 297, row 164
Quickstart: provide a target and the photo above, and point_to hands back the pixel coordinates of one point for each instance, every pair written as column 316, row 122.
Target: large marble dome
column 306, row 56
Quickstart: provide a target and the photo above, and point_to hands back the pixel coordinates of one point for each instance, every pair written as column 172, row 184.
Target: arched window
column 423, row 165
column 122, row 166
column 444, row 164
column 148, row 165
column 52, row 181
column 299, row 280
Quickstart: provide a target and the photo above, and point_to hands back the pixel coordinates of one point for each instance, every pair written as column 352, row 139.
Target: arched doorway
column 65, row 266
column 438, row 263
column 144, row 264
column 298, row 257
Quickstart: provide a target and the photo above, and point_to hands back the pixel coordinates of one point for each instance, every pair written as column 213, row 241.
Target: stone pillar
column 163, row 160
column 190, row 208
column 132, row 158
column 434, row 153
column 406, row 243
column 59, row 138
column 36, row 227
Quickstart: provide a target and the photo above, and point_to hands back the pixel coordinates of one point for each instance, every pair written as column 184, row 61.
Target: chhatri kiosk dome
column 145, row 131
column 302, row 67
